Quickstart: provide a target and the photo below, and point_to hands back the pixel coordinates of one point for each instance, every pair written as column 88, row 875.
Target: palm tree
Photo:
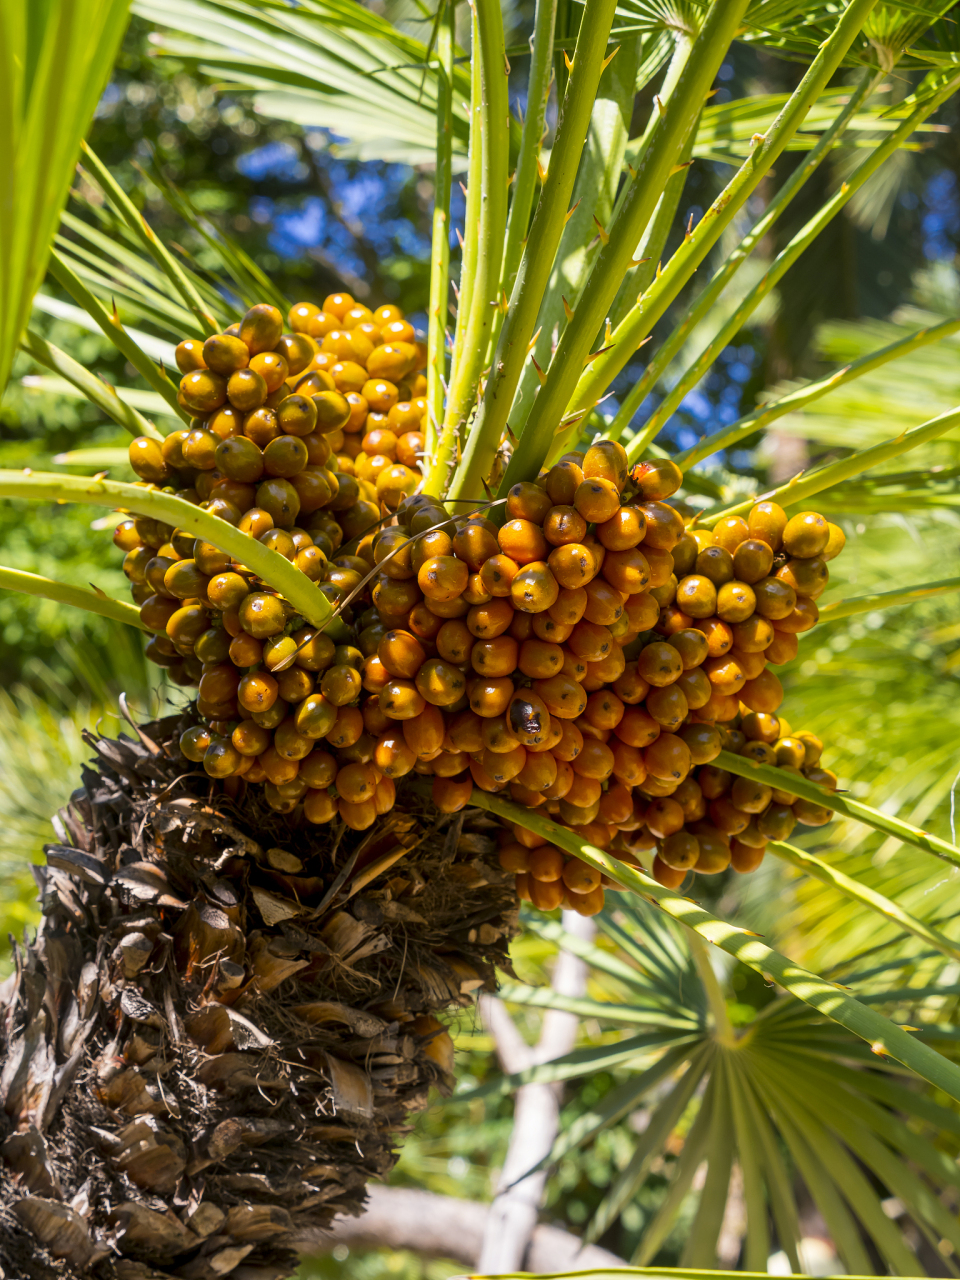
column 570, row 263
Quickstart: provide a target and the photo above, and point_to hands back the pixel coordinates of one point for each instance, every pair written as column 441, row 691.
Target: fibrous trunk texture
column 226, row 1018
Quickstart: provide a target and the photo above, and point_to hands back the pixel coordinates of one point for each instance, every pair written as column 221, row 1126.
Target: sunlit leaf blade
column 55, row 57
column 832, row 1001
column 868, row 897
column 135, row 397
column 156, row 348
column 661, row 1124
column 84, row 383
column 326, row 64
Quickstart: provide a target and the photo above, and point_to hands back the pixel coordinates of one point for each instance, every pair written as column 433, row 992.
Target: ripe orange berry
column 607, row 459
column 775, row 599
column 783, row 648
column 765, row 693
column 624, row 530
column 668, row 758
column 604, row 603
column 497, row 574
column 604, row 710
column 392, row 756
column 766, row 522
column 730, row 532
column 527, row 501
column 573, row 564
column 802, row 617
column 659, row 663
column 642, row 611
column 594, row 761
column 597, row 500
column 401, row 653
column 257, row 691
column 490, row 697
column 637, row 728
column 450, row 795
column 590, row 641
column 539, row 772
column 495, row 657
column 697, row 596
column 718, row 635
column 669, row 877
column 424, row 733
column 473, row 543
column 661, row 566
column 562, row 482
column 523, row 542
column 475, row 592
column 725, row 674
column 569, row 606
column 358, row 816
column 539, row 659
column 455, row 642
column 503, row 766
column 400, row 699
column 658, row 478
column 562, row 696
column 442, row 578
column 489, row 620
column 579, row 877
column 626, row 570
column 564, row 524
column 440, row 683
column 630, row 687
column 534, row 589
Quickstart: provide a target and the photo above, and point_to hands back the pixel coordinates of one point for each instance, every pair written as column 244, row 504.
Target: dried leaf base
column 226, row 1018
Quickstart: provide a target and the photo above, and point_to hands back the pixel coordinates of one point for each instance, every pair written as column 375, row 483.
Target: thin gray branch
column 512, row 1222
column 444, row 1227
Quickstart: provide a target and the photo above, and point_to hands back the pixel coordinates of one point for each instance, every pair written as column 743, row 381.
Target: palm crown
column 572, row 260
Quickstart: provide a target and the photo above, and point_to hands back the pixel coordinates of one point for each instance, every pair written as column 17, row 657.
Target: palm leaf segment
column 737, row 1117
column 106, row 256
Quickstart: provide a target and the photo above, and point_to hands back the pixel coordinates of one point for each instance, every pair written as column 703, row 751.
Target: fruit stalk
column 536, row 264
column 32, row 584
column 666, row 144
column 631, row 331
column 440, row 243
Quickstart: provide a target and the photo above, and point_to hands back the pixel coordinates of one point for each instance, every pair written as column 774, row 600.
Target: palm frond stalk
column 315, row 545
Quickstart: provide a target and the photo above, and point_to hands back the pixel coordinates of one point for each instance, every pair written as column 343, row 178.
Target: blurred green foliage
column 41, row 749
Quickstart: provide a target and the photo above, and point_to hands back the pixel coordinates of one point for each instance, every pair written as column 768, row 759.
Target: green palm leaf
column 55, row 58
column 788, row 1096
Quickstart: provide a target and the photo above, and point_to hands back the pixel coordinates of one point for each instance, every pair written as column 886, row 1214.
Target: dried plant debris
column 226, row 1018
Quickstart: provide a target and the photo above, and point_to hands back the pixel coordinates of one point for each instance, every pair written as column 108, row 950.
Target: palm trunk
column 225, row 1019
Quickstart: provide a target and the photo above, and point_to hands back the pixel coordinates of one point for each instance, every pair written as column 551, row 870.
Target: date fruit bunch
column 278, row 421
column 708, row 822
column 715, row 819
column 553, row 656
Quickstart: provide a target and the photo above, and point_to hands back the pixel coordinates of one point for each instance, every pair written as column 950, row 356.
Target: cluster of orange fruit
column 304, row 440
column 590, row 657
column 709, row 821
column 584, row 651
